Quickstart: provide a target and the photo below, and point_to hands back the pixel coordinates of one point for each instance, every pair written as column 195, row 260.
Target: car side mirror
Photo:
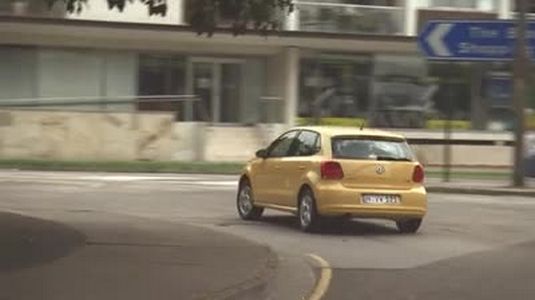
column 262, row 153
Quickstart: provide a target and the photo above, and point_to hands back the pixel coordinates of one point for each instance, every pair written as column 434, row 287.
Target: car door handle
column 301, row 167
column 277, row 167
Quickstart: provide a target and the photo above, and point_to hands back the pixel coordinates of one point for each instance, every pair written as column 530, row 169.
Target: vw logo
column 380, row 170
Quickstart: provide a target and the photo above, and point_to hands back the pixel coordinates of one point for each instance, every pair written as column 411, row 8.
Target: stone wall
column 466, row 155
column 87, row 136
column 155, row 136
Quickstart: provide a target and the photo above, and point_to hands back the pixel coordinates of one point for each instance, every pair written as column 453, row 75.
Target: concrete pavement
column 460, row 233
column 504, row 273
column 29, row 242
column 92, row 255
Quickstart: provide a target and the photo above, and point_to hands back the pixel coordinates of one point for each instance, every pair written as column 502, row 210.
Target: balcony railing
column 28, row 8
column 349, row 18
column 310, row 16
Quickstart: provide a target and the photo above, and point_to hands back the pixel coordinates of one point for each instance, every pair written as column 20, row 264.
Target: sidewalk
column 491, row 187
column 105, row 256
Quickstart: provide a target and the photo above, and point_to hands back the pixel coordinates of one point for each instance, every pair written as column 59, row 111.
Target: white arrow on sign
column 436, row 39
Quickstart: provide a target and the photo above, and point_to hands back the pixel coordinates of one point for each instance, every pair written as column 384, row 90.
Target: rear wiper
column 393, row 158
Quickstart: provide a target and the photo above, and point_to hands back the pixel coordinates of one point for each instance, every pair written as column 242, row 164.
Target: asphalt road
column 470, row 247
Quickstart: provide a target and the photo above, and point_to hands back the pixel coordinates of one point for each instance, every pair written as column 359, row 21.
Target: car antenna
column 362, row 125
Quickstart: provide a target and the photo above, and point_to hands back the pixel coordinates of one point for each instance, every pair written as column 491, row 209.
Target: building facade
column 336, row 61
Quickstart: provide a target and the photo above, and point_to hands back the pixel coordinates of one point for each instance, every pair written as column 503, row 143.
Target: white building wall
column 291, row 91
column 410, row 14
column 133, row 12
column 505, row 9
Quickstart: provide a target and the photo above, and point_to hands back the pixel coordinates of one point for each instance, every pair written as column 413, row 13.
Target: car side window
column 281, row 147
column 308, row 143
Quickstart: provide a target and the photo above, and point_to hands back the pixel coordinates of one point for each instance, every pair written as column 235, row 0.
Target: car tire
column 408, row 225
column 307, row 214
column 245, row 202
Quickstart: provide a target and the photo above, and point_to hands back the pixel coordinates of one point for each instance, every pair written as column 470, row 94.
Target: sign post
column 447, row 137
column 519, row 77
column 494, row 40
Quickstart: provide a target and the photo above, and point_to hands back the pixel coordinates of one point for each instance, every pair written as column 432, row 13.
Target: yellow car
column 317, row 172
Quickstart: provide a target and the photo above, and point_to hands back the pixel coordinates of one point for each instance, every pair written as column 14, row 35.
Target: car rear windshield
column 371, row 148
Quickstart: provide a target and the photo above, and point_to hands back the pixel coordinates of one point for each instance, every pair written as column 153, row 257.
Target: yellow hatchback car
column 317, row 172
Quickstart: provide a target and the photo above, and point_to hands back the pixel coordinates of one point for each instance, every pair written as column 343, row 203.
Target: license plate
column 381, row 199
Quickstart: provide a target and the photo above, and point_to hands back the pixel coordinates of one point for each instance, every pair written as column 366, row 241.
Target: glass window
column 375, row 148
column 361, row 2
column 231, row 92
column 281, row 147
column 380, row 17
column 17, row 72
column 390, row 91
column 5, row 6
column 530, row 6
column 308, row 143
column 453, row 89
column 401, row 95
column 334, row 86
column 82, row 69
column 161, row 75
column 455, row 3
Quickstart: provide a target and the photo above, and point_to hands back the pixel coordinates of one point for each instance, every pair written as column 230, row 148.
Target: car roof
column 336, row 130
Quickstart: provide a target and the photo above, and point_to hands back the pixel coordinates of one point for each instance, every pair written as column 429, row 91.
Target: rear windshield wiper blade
column 393, row 158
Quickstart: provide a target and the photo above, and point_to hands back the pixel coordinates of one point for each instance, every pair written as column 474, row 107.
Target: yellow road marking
column 324, row 280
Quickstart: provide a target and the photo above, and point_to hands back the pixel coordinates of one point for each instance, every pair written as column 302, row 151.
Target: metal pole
column 519, row 74
column 447, row 138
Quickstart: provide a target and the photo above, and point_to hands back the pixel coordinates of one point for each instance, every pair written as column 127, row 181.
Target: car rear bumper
column 333, row 199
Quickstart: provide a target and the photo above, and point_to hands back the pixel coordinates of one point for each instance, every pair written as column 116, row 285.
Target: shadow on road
column 335, row 226
column 26, row 241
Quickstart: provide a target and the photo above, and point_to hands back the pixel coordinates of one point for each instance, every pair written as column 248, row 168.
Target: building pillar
column 291, row 89
column 410, row 14
column 181, row 6
column 504, row 9
column 479, row 107
column 291, row 22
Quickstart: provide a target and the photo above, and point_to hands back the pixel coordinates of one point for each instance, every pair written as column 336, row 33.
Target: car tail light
column 418, row 174
column 331, row 170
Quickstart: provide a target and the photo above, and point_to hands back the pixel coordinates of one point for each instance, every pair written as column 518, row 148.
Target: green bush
column 455, row 124
column 346, row 122
column 357, row 122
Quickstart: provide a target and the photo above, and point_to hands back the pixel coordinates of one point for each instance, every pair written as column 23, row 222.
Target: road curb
column 481, row 191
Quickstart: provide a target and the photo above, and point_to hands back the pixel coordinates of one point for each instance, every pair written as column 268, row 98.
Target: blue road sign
column 472, row 40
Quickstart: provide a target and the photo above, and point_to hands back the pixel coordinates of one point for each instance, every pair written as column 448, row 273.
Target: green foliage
column 71, row 5
column 206, row 15
column 345, row 122
column 232, row 168
column 124, row 166
column 455, row 124
column 356, row 122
